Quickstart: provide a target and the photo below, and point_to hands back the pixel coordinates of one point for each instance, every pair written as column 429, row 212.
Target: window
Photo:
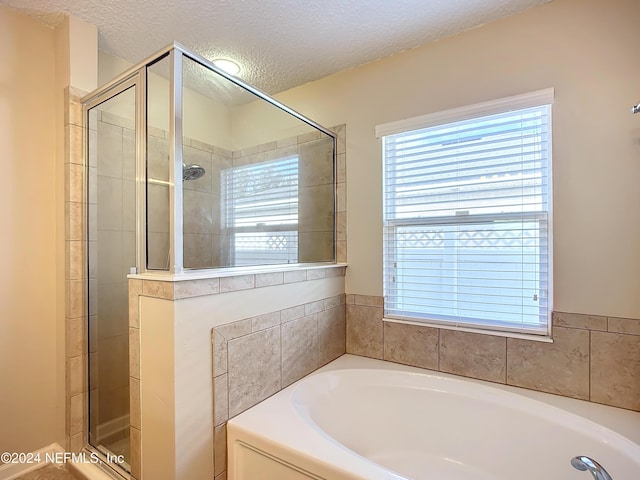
column 260, row 212
column 467, row 198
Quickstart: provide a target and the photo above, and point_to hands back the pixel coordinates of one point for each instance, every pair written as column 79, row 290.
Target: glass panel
column 112, row 251
column 158, row 89
column 258, row 182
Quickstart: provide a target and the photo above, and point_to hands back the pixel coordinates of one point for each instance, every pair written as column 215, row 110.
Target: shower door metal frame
column 138, row 75
column 136, row 80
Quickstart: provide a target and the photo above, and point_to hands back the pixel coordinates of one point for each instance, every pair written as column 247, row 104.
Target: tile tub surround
column 259, row 356
column 594, row 358
column 312, row 334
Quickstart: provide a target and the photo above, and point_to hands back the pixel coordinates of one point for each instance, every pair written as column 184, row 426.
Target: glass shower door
column 111, row 252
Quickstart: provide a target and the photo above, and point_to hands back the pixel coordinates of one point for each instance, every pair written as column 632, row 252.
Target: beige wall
column 585, row 49
column 28, row 349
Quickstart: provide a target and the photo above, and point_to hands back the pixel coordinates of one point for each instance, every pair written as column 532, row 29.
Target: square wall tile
column 332, row 334
column 411, row 345
column 579, row 320
column 473, row 355
column 561, row 367
column 254, row 368
column 615, row 369
column 299, row 348
column 364, row 330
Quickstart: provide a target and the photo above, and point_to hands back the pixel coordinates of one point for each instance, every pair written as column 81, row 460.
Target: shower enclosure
column 190, row 169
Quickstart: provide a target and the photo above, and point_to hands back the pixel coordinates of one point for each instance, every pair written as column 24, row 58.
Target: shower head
column 192, row 172
column 635, row 108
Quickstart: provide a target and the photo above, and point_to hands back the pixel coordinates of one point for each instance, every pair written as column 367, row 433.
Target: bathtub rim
column 252, row 424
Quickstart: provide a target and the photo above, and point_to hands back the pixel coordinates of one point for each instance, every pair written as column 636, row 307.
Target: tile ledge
column 205, row 274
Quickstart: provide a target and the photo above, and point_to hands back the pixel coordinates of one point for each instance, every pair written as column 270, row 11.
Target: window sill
column 495, row 333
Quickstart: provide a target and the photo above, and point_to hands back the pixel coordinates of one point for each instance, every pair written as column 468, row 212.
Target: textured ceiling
column 278, row 43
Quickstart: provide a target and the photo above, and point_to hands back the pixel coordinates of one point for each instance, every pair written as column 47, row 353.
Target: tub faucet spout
column 584, row 463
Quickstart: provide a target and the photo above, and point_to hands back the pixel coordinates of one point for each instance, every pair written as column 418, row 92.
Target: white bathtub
column 359, row 418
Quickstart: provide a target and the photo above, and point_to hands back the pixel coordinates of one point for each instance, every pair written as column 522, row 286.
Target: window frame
column 519, row 102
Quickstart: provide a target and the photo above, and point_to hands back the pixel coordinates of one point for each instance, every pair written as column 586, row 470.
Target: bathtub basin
column 365, row 419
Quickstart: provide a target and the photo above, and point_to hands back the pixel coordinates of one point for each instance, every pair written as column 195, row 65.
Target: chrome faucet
column 585, row 463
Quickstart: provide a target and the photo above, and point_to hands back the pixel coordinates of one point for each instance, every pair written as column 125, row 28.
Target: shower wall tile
column 134, row 352
column 220, row 450
column 158, row 158
column 629, row 326
column 73, row 144
column 74, row 267
column 196, row 288
column 134, row 402
column 239, row 282
column 109, row 203
column 76, row 374
column 110, row 147
column 561, row 367
column 134, row 439
column 578, row 320
column 128, row 154
column 76, row 321
column 74, row 182
column 364, row 331
column 313, row 307
column 269, row 279
column 615, row 369
column 221, row 400
column 411, row 345
column 473, row 355
column 109, row 265
column 267, row 320
column 332, row 337
column 76, row 336
column 158, row 250
column 315, row 246
column 295, row 276
column 299, row 348
column 335, row 272
column 254, row 368
column 341, row 197
column 73, row 110
column 117, row 120
column 197, row 250
column 135, row 290
column 77, row 413
column 257, row 356
column 582, row 362
column 309, row 137
column 157, row 289
column 157, row 208
column 129, row 206
column 200, row 212
column 316, row 163
column 292, row 313
column 74, row 212
column 75, row 291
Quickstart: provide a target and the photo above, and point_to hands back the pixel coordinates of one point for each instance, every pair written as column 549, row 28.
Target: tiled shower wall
column 593, row 358
column 315, row 187
column 257, row 357
column 112, row 207
column 76, row 320
column 205, row 244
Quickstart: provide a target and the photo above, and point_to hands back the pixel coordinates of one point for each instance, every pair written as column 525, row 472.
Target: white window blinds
column 466, row 222
column 260, row 212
